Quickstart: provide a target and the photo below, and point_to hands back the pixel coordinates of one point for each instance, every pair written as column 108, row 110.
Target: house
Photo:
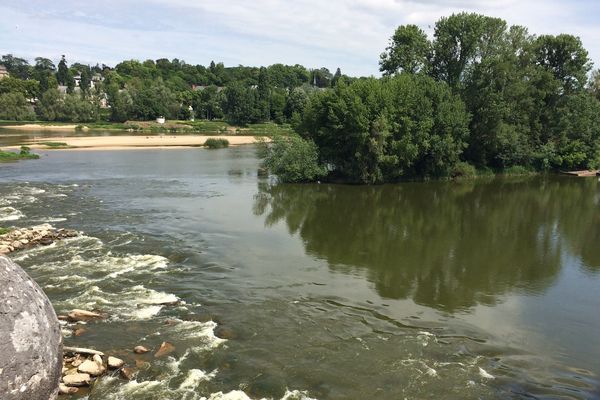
column 3, row 72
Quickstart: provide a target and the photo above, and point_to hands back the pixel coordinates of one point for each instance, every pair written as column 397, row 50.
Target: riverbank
column 133, row 142
column 214, row 127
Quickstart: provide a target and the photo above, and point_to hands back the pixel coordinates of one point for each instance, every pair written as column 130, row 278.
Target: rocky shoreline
column 24, row 238
column 81, row 367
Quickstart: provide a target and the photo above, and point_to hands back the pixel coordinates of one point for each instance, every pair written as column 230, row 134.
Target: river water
column 473, row 290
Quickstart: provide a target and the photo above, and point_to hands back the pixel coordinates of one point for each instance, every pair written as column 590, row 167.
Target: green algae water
column 486, row 289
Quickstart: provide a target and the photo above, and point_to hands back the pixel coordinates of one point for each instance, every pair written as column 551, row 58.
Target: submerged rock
column 140, row 350
column 127, row 373
column 165, row 348
column 83, row 315
column 30, row 338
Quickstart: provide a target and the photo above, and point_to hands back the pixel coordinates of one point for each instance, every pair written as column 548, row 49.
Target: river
column 466, row 290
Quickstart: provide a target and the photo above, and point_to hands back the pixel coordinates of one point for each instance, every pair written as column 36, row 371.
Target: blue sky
column 349, row 34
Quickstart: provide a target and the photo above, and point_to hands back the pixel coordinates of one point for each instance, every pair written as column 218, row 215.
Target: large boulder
column 31, row 340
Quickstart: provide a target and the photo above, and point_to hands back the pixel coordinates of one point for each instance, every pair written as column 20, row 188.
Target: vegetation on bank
column 4, row 231
column 215, row 127
column 216, row 143
column 24, row 154
column 480, row 96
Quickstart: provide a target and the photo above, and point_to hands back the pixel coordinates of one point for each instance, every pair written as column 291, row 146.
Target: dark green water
column 476, row 290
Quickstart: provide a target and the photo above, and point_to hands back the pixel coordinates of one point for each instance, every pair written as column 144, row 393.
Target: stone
column 83, row 315
column 165, row 348
column 127, row 373
column 91, row 367
column 115, row 363
column 140, row 350
column 77, row 379
column 77, row 362
column 82, row 350
column 98, row 359
column 64, row 389
column 31, row 339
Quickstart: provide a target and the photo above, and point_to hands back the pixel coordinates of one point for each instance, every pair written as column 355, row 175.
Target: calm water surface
column 475, row 290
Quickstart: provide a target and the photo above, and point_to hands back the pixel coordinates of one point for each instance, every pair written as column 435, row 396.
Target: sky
column 350, row 34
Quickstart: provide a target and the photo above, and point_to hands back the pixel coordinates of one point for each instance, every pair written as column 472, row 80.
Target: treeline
column 135, row 90
column 479, row 95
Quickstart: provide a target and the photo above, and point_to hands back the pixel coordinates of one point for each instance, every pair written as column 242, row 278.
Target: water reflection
column 448, row 246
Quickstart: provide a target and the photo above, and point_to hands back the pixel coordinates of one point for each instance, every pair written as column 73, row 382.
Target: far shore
column 133, row 142
column 48, row 127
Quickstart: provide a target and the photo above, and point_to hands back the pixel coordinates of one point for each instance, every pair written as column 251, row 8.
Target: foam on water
column 10, row 214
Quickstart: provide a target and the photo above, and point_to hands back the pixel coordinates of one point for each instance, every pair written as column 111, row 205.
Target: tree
column 409, row 51
column 240, row 104
column 16, row 67
column 460, row 41
column 566, row 58
column 374, row 131
column 49, row 106
column 15, row 107
column 62, row 75
column 336, row 77
column 293, row 159
column 86, row 78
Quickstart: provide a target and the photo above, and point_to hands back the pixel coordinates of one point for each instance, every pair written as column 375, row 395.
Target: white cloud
column 345, row 33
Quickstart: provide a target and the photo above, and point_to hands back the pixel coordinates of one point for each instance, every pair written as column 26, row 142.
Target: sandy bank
column 29, row 127
column 134, row 142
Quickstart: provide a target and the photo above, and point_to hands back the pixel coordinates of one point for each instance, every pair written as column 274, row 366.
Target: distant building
column 3, row 72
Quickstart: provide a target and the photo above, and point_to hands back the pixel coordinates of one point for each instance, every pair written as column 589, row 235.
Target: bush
column 293, row 159
column 14, row 107
column 216, row 143
column 463, row 170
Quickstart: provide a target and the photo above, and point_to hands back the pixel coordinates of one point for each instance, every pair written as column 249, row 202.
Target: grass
column 4, row 231
column 216, row 143
column 24, row 154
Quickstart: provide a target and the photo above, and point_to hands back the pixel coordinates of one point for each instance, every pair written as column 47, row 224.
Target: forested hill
column 137, row 90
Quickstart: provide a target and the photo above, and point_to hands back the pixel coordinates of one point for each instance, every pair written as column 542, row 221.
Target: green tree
column 409, row 51
column 49, row 106
column 62, row 74
column 17, row 67
column 293, row 159
column 15, row 107
column 239, row 104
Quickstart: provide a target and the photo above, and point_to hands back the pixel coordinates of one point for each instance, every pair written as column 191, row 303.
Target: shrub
column 463, row 170
column 293, row 159
column 216, row 143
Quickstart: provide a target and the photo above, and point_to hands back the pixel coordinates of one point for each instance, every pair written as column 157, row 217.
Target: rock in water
column 83, row 315
column 77, row 379
column 127, row 373
column 91, row 368
column 140, row 350
column 31, row 340
column 165, row 348
column 115, row 363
